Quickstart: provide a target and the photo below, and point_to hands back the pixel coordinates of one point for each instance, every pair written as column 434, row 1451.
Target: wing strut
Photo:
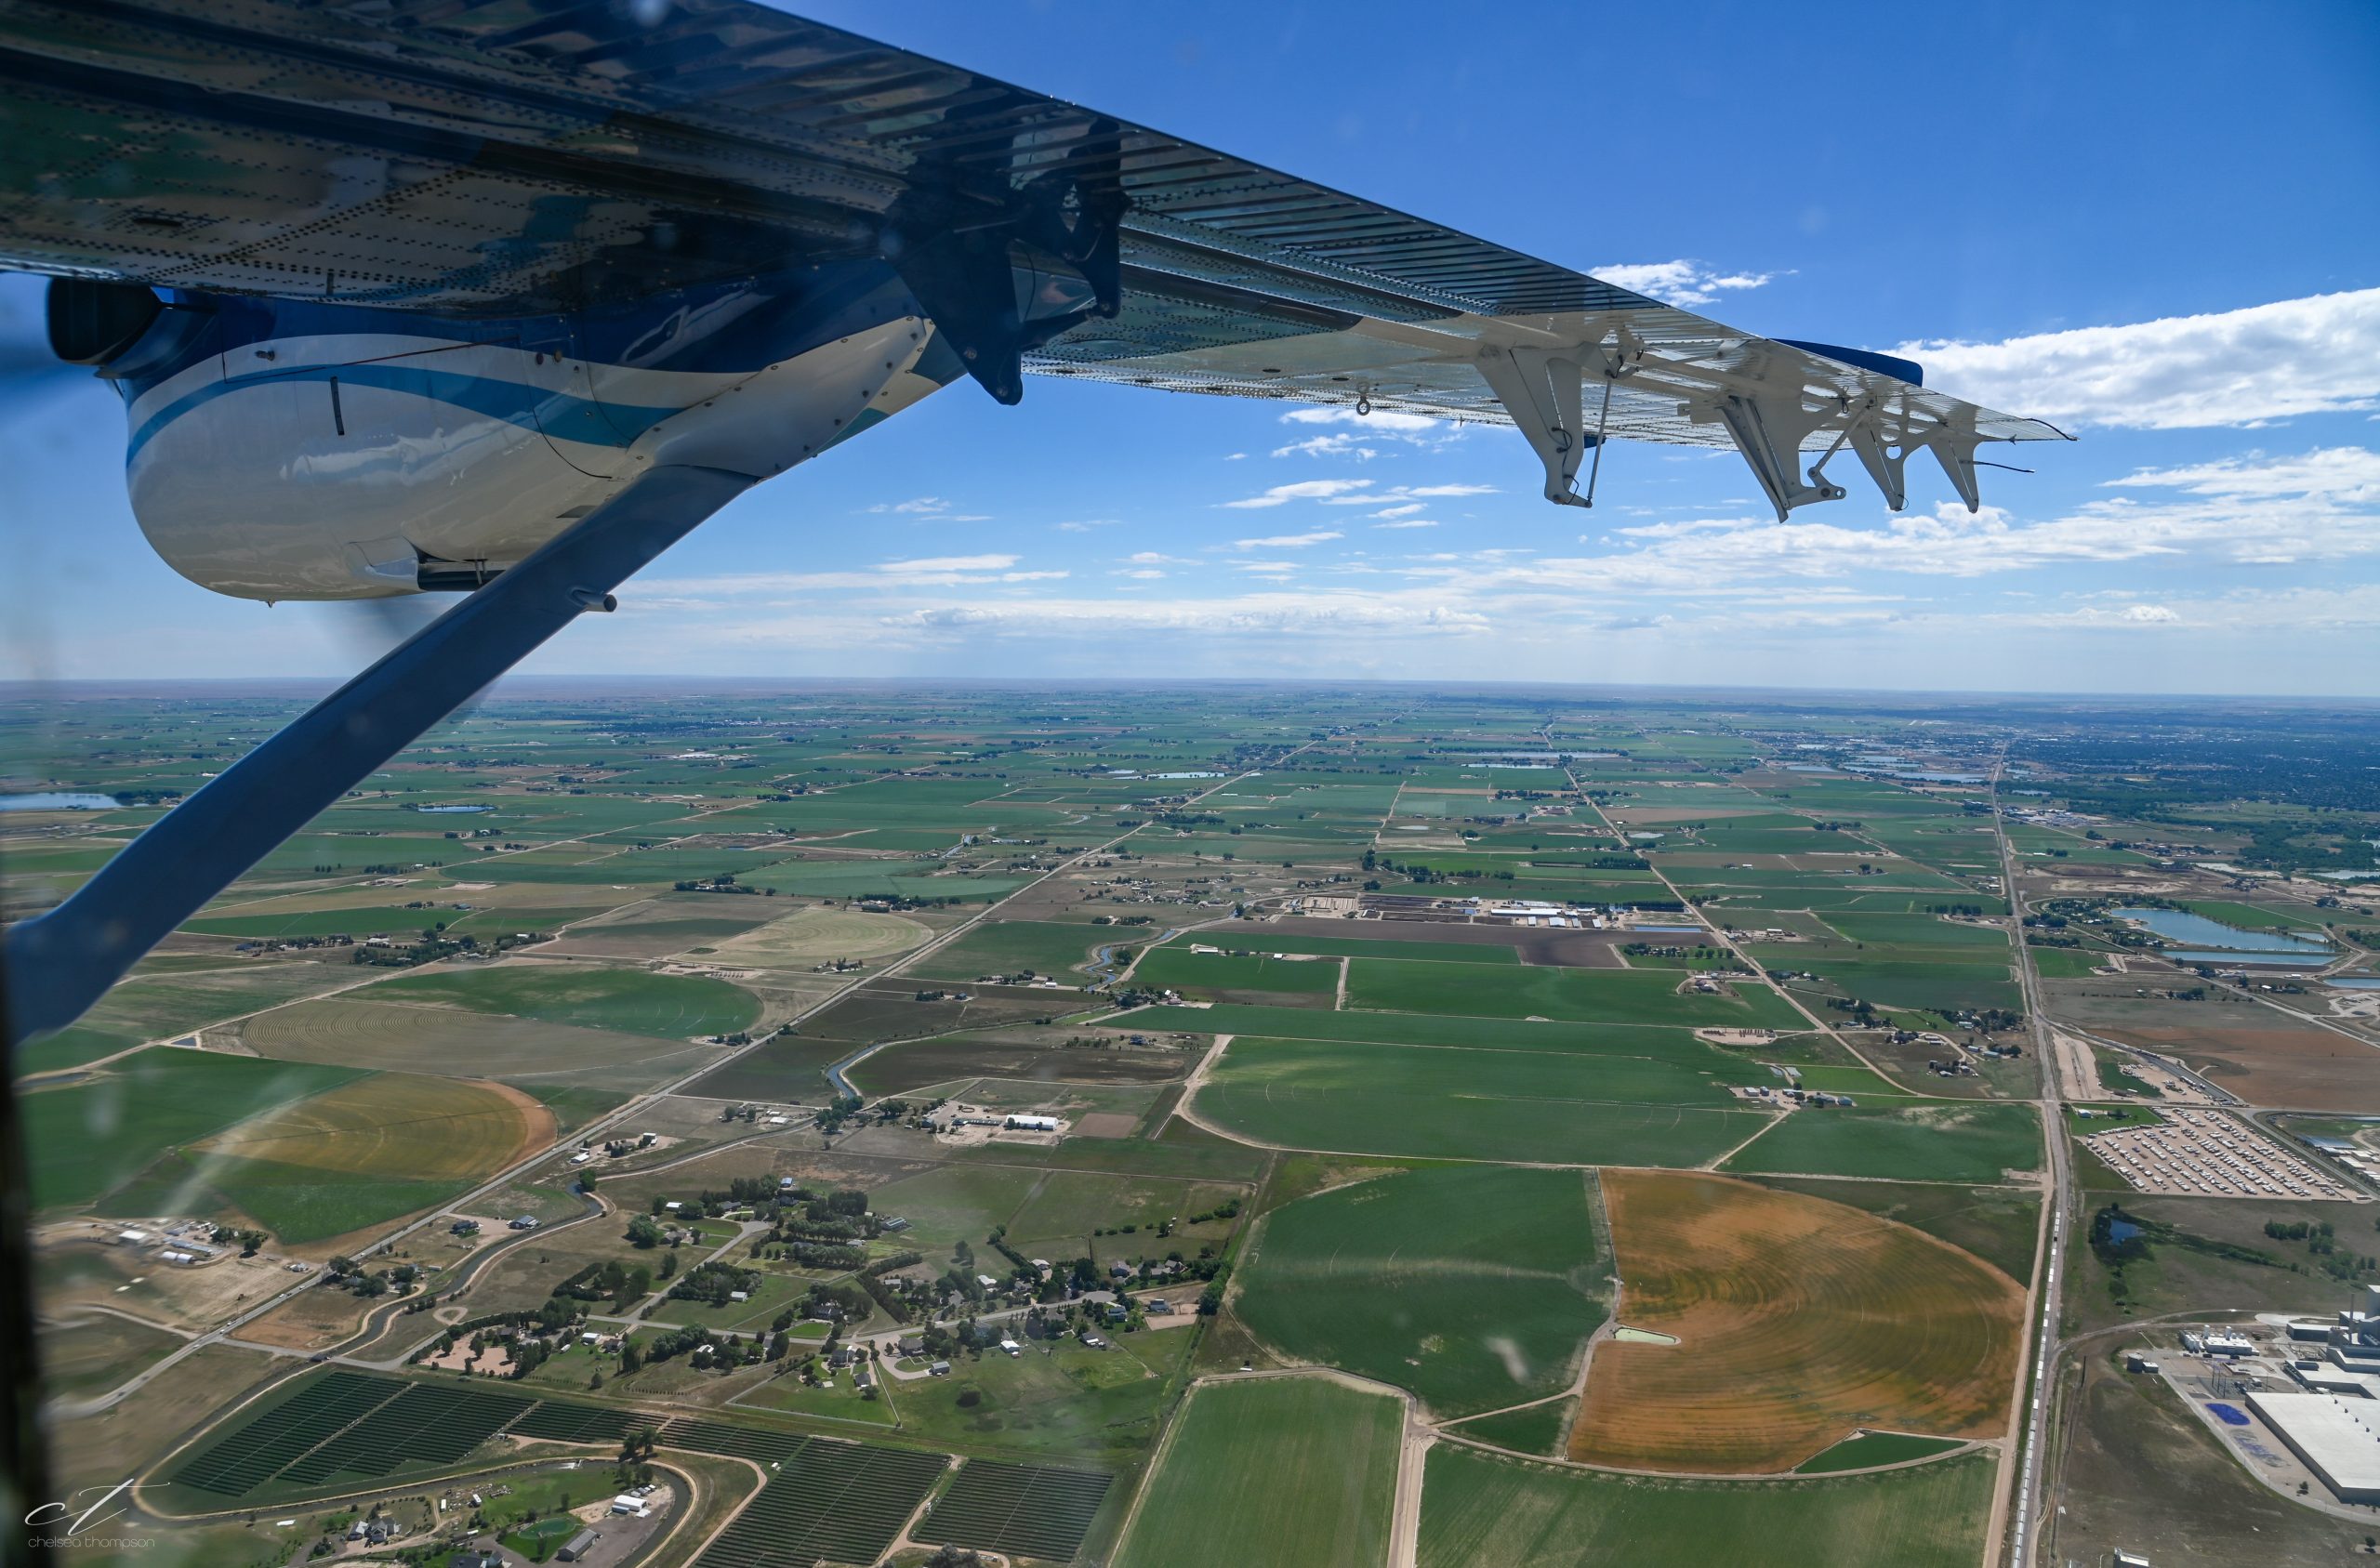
column 58, row 965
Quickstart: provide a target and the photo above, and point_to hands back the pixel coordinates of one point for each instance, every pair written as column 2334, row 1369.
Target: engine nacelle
column 287, row 449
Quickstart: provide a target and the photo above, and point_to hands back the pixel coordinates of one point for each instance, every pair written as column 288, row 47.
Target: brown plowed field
column 1798, row 1319
column 2302, row 1069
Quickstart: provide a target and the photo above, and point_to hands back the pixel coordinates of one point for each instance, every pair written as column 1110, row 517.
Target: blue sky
column 2153, row 225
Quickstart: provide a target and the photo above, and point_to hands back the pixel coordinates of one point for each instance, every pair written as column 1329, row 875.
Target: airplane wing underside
column 504, row 157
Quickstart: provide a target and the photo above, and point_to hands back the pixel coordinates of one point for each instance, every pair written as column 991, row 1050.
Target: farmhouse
column 1032, row 1124
column 579, row 1545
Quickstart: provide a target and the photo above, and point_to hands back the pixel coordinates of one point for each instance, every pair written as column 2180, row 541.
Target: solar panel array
column 344, row 1424
column 827, row 1499
column 741, row 1443
column 261, row 1447
column 843, row 1502
column 1038, row 1510
column 426, row 1424
column 559, row 1422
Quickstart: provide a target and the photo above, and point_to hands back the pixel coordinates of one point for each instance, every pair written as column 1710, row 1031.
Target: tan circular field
column 397, row 1124
column 1797, row 1320
column 815, row 934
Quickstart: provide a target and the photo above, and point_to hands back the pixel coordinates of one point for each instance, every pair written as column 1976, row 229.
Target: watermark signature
column 65, row 1528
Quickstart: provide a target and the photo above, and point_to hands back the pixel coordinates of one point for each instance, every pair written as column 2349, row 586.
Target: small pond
column 60, row 801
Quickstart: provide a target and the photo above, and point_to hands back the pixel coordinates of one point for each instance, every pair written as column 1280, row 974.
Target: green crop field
column 2066, row 963
column 1473, row 1286
column 1871, row 1449
column 1072, row 1404
column 1542, row 1429
column 422, row 1038
column 1181, row 969
column 1478, row 1509
column 1262, row 940
column 85, row 1139
column 1287, row 1470
column 1894, row 983
column 1449, row 1103
column 1584, row 995
column 1972, row 1142
column 1660, row 1041
column 632, row 1001
column 1010, row 946
column 358, row 922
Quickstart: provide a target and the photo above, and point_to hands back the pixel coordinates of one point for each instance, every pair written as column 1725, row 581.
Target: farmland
column 1481, row 1508
column 1290, row 1469
column 1472, row 1286
column 1441, row 1103
column 91, row 1136
column 1797, row 1321
column 1975, row 1143
column 1388, row 1131
column 668, row 1006
column 1581, row 996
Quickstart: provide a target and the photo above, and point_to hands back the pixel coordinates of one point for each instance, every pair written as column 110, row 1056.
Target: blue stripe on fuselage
column 727, row 329
column 561, row 416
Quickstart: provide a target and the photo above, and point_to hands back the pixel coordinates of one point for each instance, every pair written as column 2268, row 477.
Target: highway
column 2031, row 1489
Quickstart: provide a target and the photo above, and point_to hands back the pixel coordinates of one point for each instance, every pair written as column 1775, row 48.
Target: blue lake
column 60, row 801
column 2357, row 982
column 2249, row 960
column 2180, row 925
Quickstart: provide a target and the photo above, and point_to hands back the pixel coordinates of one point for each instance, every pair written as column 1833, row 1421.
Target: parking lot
column 2206, row 1153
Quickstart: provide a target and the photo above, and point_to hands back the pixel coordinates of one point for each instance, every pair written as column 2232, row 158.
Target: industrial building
column 2338, row 1438
column 1032, row 1124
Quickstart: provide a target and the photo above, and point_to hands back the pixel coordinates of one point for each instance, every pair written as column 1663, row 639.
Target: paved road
column 2023, row 1534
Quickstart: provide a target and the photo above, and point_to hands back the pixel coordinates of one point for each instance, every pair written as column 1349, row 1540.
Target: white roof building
column 2338, row 1438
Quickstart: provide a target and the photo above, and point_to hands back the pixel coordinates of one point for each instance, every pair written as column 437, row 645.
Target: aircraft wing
column 507, row 157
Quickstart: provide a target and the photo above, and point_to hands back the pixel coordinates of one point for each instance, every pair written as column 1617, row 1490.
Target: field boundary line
column 1770, row 1125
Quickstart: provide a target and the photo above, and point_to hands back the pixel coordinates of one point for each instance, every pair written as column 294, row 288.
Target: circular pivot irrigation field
column 1797, row 1320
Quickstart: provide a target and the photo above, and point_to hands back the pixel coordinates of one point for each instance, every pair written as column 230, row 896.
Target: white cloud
column 1378, row 419
column 1678, row 283
column 1361, row 433
column 2344, row 474
column 1290, row 541
column 1407, row 523
column 1401, row 493
column 1406, row 510
column 1304, row 490
column 932, row 508
column 1085, row 527
column 2147, row 614
column 1155, row 558
column 1337, row 444
column 2242, row 367
column 952, row 563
